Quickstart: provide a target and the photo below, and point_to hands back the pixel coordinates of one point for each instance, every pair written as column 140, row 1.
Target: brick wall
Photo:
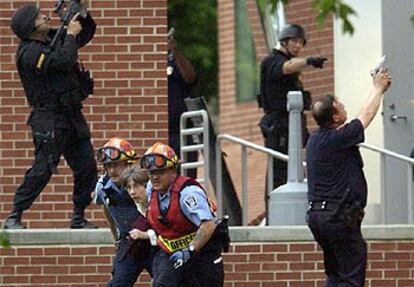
column 241, row 119
column 128, row 61
column 293, row 264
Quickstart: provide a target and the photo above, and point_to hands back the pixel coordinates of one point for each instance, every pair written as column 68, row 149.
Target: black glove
column 317, row 62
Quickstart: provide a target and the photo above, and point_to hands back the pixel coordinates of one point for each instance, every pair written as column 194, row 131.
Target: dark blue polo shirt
column 334, row 164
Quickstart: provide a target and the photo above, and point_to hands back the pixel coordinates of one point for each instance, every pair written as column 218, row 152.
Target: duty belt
column 322, row 205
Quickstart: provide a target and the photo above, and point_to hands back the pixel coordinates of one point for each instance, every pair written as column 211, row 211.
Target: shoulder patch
column 40, row 61
column 191, row 201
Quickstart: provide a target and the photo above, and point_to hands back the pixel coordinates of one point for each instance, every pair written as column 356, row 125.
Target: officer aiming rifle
column 55, row 86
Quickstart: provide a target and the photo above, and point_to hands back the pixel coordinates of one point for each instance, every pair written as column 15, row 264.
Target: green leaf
column 4, row 239
column 342, row 11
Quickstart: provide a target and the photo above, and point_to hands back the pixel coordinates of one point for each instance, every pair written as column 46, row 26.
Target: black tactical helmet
column 292, row 31
column 23, row 20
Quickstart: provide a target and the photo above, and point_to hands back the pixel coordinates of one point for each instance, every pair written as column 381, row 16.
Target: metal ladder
column 200, row 131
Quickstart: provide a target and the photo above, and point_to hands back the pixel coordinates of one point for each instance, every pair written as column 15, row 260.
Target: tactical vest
column 36, row 85
column 274, row 91
column 175, row 231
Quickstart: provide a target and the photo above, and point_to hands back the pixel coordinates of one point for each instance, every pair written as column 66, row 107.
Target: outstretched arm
column 382, row 82
column 295, row 65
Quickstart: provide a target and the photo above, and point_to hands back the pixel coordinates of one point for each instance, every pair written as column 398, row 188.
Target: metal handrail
column 275, row 154
column 203, row 147
column 387, row 152
column 245, row 144
column 410, row 170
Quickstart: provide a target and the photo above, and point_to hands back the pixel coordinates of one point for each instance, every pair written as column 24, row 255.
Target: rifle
column 65, row 16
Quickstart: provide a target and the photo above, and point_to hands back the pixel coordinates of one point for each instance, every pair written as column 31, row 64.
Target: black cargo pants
column 50, row 143
column 344, row 248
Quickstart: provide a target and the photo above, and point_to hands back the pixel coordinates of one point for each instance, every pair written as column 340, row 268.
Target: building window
column 273, row 20
column 247, row 69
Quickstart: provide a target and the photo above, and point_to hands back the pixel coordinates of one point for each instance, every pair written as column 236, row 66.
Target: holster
column 48, row 141
column 72, row 98
column 85, row 81
column 221, row 233
column 275, row 131
column 349, row 210
column 353, row 214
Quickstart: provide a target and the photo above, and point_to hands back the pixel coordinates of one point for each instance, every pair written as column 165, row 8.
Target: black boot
column 14, row 220
column 78, row 220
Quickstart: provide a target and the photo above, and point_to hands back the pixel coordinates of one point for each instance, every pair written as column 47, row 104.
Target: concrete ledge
column 302, row 233
column 103, row 236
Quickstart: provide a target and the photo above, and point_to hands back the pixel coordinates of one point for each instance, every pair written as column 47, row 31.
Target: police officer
column 54, row 90
column 181, row 78
column 180, row 213
column 337, row 190
column 280, row 73
column 122, row 213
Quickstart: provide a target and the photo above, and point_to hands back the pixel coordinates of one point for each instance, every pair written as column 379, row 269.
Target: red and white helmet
column 115, row 150
column 159, row 156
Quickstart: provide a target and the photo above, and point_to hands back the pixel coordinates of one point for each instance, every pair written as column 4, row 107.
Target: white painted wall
column 354, row 57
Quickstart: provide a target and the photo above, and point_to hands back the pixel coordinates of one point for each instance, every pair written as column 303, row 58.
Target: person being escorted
column 280, row 73
column 189, row 235
column 55, row 87
column 337, row 189
column 135, row 181
column 121, row 212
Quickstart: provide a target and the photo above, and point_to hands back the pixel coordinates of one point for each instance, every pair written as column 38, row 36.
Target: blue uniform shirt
column 334, row 164
column 119, row 204
column 193, row 203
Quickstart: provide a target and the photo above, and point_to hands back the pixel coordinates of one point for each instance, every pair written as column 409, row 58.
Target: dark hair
column 323, row 110
column 136, row 174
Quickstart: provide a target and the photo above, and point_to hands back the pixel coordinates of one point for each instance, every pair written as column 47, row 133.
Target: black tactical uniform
column 178, row 90
column 54, row 90
column 275, row 123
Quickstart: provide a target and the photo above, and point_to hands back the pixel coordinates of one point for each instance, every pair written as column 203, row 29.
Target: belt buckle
column 310, row 205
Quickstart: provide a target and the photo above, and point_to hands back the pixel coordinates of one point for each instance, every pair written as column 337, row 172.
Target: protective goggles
column 109, row 154
column 155, row 161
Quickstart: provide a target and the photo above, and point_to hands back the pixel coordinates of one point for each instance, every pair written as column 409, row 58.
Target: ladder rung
column 194, row 147
column 192, row 131
column 189, row 165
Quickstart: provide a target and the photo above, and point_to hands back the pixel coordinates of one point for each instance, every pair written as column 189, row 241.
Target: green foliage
column 262, row 4
column 324, row 8
column 195, row 24
column 4, row 239
column 337, row 8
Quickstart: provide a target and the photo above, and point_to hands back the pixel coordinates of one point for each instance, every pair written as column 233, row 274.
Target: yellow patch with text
column 173, row 245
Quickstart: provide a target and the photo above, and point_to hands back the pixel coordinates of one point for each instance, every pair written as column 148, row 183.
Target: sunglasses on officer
column 109, row 153
column 155, row 161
